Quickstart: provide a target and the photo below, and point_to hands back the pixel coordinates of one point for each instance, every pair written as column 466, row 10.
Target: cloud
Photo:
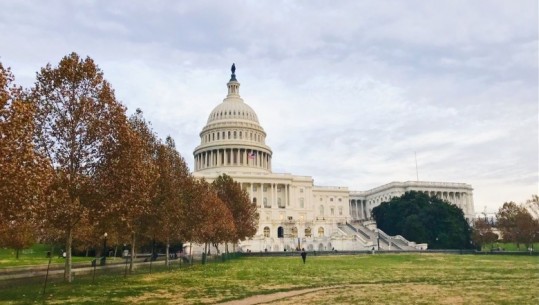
column 357, row 87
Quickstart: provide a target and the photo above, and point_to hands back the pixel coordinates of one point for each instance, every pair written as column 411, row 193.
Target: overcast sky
column 347, row 91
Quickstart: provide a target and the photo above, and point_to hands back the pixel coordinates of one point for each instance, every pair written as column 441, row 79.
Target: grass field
column 36, row 255
column 360, row 279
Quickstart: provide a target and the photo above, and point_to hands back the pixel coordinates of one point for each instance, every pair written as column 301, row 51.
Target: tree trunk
column 67, row 272
column 167, row 253
column 191, row 253
column 132, row 253
column 115, row 250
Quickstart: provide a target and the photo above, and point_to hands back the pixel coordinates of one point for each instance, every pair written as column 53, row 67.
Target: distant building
column 293, row 211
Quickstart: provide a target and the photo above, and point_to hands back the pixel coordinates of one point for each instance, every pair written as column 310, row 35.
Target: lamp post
column 378, row 239
column 105, row 248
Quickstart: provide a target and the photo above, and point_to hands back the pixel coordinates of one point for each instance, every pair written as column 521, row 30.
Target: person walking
column 303, row 255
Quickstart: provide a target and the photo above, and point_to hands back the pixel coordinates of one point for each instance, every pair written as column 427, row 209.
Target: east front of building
column 295, row 213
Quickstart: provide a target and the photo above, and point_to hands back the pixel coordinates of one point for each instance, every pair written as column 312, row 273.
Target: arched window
column 234, row 134
column 321, row 210
column 229, row 135
column 279, row 203
column 266, row 232
column 320, row 232
column 266, row 205
column 254, row 200
column 308, row 232
column 217, row 136
column 280, row 232
column 332, row 210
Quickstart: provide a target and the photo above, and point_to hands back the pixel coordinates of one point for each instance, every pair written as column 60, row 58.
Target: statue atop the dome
column 233, row 69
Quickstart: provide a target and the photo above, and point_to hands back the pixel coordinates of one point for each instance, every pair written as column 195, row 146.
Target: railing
column 352, row 231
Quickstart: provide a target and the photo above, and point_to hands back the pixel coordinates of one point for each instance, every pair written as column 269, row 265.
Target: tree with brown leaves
column 167, row 207
column 516, row 224
column 482, row 232
column 216, row 223
column 243, row 212
column 127, row 181
column 77, row 123
column 24, row 174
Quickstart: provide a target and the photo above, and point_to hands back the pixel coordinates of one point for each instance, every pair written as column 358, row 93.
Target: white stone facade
column 460, row 194
column 293, row 211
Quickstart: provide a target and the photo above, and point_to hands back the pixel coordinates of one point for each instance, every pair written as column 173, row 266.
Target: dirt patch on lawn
column 398, row 293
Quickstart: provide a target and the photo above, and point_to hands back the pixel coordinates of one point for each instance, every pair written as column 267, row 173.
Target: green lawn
column 36, row 255
column 359, row 279
column 508, row 247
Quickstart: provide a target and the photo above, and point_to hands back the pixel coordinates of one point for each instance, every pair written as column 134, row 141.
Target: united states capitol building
column 294, row 212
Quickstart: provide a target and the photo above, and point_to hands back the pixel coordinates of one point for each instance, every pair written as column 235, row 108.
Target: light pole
column 104, row 248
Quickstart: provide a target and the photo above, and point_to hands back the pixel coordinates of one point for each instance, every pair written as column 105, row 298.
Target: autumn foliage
column 74, row 165
column 24, row 173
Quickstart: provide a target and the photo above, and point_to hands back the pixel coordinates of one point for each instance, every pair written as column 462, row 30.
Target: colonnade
column 232, row 157
column 266, row 194
column 359, row 210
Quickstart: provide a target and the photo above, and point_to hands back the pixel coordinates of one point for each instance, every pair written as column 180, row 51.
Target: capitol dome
column 233, row 140
column 233, row 109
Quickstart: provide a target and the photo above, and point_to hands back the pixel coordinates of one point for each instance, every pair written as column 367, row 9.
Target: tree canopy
column 244, row 213
column 76, row 119
column 516, row 224
column 24, row 173
column 421, row 218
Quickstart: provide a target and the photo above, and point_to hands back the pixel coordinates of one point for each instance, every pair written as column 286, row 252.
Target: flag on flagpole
column 251, row 155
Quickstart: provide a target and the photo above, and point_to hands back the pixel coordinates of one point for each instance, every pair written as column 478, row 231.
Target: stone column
column 363, row 209
column 286, row 199
column 273, row 201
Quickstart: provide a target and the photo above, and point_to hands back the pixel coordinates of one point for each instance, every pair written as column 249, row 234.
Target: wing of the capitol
column 293, row 211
